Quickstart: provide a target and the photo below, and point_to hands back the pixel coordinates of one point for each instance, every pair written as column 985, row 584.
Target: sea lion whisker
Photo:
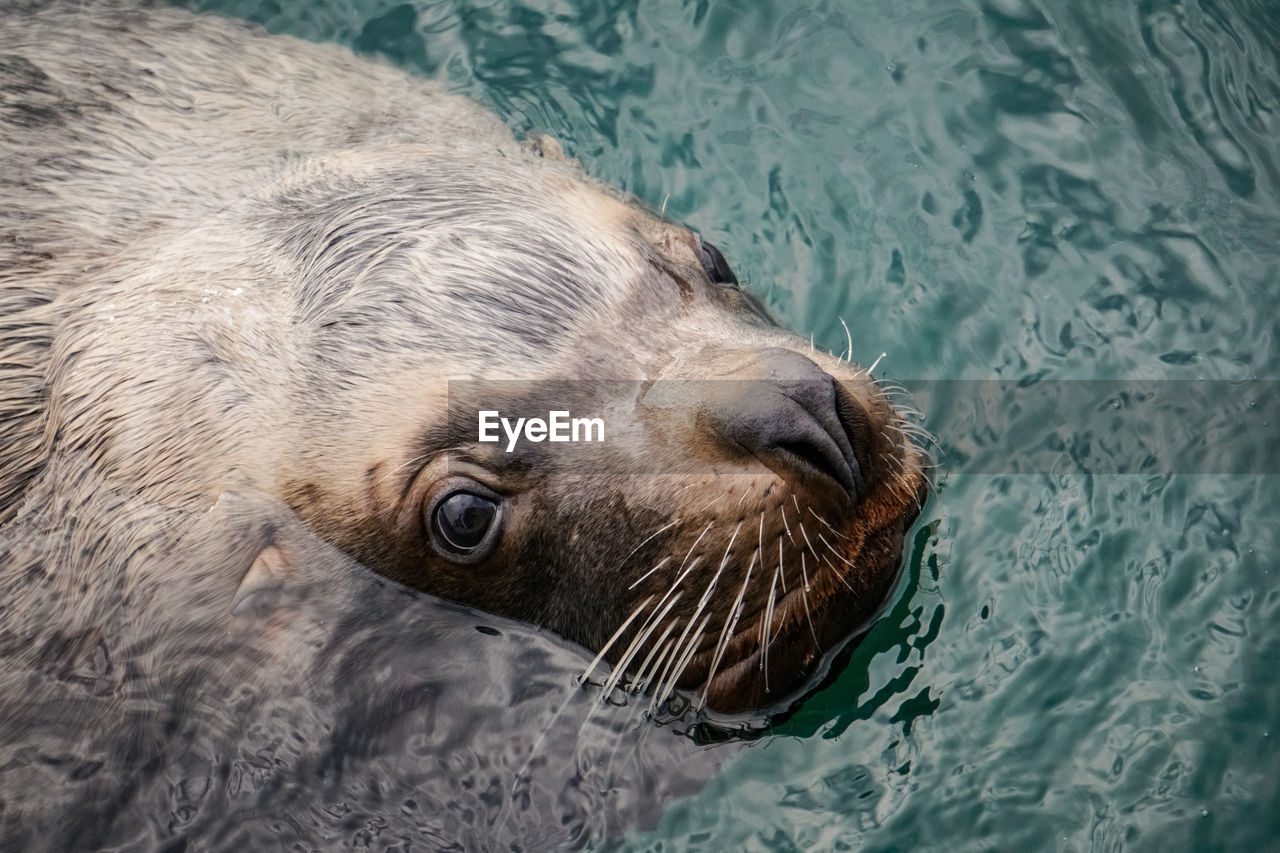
column 709, row 505
column 670, row 650
column 642, row 673
column 647, row 539
column 781, row 571
column 760, row 536
column 838, row 574
column 695, row 543
column 909, row 491
column 681, row 646
column 397, row 469
column 706, row 597
column 828, row 525
column 706, row 594
column 900, row 478
column 787, row 526
column 616, row 634
column 922, row 436
column 904, row 408
column 804, row 572
column 894, row 392
column 893, row 460
column 921, row 433
column 831, row 548
column 721, row 642
column 903, row 418
column 660, row 695
column 901, row 467
column 765, row 624
column 640, row 579
column 805, row 534
column 892, row 385
column 636, row 643
column 896, row 395
column 808, row 614
column 917, row 430
column 680, row 577
column 848, row 337
column 730, row 623
column 653, row 620
column 728, row 548
column 874, row 364
column 680, row 491
column 904, row 411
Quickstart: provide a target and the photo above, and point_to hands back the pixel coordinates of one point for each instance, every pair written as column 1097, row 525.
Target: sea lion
column 233, row 263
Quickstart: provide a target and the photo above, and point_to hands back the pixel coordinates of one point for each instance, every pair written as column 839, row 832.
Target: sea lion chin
column 257, row 265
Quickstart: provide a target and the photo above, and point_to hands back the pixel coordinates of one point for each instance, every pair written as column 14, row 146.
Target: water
column 1079, row 660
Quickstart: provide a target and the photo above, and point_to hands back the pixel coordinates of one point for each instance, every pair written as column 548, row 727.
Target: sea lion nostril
column 857, row 429
column 817, row 457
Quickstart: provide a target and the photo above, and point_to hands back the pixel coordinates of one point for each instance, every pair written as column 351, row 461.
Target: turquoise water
column 1002, row 190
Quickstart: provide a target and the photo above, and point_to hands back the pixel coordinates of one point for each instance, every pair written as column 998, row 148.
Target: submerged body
column 247, row 281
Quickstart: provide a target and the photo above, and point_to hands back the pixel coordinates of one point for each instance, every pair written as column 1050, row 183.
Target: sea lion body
column 235, row 264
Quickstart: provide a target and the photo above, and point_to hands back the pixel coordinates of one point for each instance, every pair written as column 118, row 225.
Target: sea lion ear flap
column 548, row 148
column 270, row 572
column 541, row 145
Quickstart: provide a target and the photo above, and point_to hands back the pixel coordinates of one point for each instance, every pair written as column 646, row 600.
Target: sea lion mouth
column 781, row 650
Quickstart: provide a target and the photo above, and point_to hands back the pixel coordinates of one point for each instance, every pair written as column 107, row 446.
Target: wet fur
column 238, row 264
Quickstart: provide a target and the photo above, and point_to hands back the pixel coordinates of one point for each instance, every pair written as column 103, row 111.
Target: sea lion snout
column 798, row 421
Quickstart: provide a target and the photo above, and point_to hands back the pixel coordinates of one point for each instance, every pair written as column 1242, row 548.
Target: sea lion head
column 745, row 510
column 331, row 340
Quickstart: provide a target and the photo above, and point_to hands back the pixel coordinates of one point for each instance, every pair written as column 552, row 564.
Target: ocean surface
column 1060, row 209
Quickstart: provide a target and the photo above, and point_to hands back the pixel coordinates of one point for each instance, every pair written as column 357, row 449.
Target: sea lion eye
column 461, row 523
column 714, row 264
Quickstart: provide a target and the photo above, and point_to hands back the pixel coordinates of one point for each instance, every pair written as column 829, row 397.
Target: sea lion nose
column 799, row 421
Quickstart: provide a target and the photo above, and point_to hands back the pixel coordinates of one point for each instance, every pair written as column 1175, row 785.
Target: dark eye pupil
column 714, row 264
column 462, row 519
